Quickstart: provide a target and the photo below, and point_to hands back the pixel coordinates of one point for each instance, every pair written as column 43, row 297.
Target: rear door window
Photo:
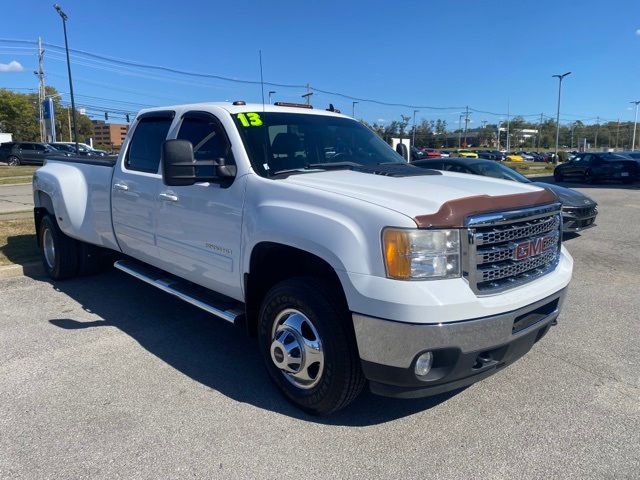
column 146, row 145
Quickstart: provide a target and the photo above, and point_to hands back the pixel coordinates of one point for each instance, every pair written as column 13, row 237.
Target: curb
column 28, row 269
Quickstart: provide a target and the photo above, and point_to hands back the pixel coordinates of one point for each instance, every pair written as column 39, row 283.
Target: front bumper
column 578, row 219
column 464, row 352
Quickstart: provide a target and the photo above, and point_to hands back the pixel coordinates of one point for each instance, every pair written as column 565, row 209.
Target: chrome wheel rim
column 13, row 161
column 296, row 349
column 49, row 247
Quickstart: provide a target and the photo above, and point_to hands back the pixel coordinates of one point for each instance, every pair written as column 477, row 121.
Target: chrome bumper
column 396, row 344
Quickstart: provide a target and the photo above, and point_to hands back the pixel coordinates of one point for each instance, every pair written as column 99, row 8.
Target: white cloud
column 638, row 32
column 12, row 66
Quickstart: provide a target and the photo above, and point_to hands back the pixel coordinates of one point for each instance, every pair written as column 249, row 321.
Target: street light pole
column 63, row 16
column 271, row 93
column 353, row 109
column 635, row 124
column 560, row 78
column 413, row 137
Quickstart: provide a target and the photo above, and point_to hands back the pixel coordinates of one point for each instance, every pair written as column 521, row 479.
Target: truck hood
column 413, row 195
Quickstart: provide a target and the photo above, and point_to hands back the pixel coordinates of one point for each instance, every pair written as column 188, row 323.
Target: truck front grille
column 507, row 249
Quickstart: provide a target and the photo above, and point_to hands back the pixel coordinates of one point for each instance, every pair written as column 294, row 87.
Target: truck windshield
column 297, row 143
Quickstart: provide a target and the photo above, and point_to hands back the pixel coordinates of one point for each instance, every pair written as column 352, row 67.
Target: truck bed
column 79, row 189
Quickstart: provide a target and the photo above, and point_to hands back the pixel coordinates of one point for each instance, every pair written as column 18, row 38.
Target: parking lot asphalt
column 106, row 377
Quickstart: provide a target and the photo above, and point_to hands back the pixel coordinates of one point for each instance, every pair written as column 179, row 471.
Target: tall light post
column 560, row 78
column 63, row 16
column 271, row 92
column 635, row 124
column 353, row 109
column 413, row 137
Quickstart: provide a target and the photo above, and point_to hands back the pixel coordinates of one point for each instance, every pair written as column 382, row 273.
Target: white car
column 350, row 265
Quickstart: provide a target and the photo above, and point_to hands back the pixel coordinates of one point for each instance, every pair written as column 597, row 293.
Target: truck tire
column 59, row 252
column 307, row 341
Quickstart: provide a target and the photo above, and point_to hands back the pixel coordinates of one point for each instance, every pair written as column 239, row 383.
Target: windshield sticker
column 250, row 119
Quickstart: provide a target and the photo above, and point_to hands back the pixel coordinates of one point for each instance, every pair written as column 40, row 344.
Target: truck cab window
column 208, row 138
column 146, row 144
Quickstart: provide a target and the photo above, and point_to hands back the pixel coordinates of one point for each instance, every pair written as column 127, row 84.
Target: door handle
column 120, row 186
column 169, row 196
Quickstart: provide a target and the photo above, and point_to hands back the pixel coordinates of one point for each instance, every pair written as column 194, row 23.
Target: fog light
column 423, row 364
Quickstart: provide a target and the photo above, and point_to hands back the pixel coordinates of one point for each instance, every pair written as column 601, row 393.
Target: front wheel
column 557, row 176
column 13, row 161
column 307, row 342
column 59, row 252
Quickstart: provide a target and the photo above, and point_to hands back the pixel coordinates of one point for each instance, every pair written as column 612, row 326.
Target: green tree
column 19, row 116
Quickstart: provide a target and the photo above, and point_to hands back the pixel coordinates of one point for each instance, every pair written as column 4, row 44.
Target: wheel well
column 45, row 208
column 272, row 263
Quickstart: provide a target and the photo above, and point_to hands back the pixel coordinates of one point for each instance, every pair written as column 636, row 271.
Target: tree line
column 434, row 134
column 19, row 115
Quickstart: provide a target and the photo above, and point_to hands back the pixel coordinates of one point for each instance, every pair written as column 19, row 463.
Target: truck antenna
column 261, row 79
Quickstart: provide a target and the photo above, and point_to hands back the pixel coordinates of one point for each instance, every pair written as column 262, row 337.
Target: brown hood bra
column 454, row 212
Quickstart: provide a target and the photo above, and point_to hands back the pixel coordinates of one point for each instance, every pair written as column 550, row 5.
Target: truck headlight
column 412, row 254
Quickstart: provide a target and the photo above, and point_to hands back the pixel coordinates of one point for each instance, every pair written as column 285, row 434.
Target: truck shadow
column 208, row 350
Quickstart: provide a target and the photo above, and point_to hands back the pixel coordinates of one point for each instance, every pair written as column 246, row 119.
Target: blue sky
column 431, row 53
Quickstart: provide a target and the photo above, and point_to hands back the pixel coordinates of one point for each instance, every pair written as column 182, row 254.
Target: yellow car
column 514, row 157
column 466, row 154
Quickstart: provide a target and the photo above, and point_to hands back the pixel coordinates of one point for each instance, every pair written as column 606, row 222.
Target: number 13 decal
column 250, row 119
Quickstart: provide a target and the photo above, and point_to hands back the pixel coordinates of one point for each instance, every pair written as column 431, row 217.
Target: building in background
column 111, row 134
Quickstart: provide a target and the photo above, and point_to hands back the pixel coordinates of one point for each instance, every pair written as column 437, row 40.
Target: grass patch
column 530, row 168
column 21, row 174
column 18, row 242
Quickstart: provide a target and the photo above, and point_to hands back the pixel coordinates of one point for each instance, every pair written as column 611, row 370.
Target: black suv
column 25, row 153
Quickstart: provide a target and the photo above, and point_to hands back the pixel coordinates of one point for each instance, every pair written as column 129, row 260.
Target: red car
column 431, row 152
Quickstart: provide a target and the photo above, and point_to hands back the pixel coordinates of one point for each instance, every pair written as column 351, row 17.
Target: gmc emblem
column 530, row 248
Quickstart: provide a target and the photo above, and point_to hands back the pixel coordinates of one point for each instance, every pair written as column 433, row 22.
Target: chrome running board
column 211, row 302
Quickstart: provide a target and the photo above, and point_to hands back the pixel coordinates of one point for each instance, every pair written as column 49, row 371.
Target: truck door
column 136, row 181
column 199, row 226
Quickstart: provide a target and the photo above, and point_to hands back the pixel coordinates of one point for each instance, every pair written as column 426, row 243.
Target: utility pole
column 460, row 130
column 617, row 133
column 466, row 124
column 413, row 136
column 560, row 78
column 597, row 130
column 540, row 130
column 635, row 124
column 41, row 90
column 69, row 120
column 508, row 122
column 307, row 95
column 572, row 127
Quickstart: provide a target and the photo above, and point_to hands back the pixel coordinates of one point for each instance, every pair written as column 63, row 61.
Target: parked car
column 83, row 149
column 496, row 155
column 579, row 211
column 514, row 157
column 351, row 266
column 416, row 153
column 25, row 153
column 465, row 154
column 526, row 156
column 446, row 153
column 594, row 167
column 432, row 152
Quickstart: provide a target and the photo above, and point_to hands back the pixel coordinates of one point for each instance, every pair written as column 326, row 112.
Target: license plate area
column 531, row 318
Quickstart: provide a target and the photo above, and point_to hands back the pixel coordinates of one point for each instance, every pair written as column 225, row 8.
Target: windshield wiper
column 317, row 166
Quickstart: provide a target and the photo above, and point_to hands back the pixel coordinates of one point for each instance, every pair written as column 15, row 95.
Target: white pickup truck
column 302, row 226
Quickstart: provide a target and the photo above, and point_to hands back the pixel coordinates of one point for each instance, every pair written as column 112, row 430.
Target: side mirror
column 180, row 168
